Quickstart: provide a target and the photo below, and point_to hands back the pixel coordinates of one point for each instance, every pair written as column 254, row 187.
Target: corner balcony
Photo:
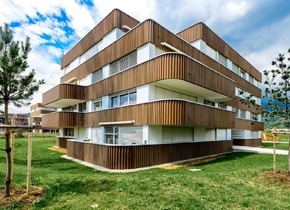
column 63, row 119
column 63, row 95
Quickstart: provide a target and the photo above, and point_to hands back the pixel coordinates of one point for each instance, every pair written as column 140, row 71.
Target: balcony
column 64, row 95
column 161, row 112
column 63, row 119
column 243, row 124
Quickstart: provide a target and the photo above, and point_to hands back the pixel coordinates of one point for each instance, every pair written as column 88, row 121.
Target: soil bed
column 18, row 195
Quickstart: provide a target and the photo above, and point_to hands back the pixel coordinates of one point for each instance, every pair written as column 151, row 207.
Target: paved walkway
column 258, row 150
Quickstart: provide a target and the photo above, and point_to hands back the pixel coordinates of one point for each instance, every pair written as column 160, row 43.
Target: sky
column 257, row 29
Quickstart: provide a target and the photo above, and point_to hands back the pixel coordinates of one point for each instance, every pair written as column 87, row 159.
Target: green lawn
column 231, row 182
column 279, row 145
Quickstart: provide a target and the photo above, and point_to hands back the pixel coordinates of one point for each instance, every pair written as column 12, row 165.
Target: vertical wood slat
column 137, row 156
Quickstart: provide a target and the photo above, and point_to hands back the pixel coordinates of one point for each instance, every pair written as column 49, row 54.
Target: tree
column 16, row 85
column 277, row 91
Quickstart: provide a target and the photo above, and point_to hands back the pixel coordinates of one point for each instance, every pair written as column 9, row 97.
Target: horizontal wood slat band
column 201, row 31
column 153, row 113
column 64, row 91
column 151, row 32
column 248, row 142
column 130, row 157
column 242, row 124
column 167, row 66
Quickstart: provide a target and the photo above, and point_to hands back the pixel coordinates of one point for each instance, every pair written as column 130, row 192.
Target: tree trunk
column 8, row 155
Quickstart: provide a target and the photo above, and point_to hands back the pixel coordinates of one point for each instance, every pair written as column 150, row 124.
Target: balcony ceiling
column 64, row 103
column 193, row 89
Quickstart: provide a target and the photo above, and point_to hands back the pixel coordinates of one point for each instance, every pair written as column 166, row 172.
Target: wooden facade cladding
column 36, row 119
column 151, row 32
column 116, row 19
column 61, row 142
column 165, row 66
column 237, row 104
column 60, row 119
column 37, row 105
column 242, row 124
column 248, row 142
column 64, row 91
column 39, row 112
column 164, row 112
column 138, row 156
column 201, row 31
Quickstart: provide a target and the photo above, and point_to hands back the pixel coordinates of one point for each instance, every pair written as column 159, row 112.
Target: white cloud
column 140, row 10
column 227, row 18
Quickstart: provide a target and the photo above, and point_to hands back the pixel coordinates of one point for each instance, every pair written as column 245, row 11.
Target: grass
column 282, row 146
column 230, row 182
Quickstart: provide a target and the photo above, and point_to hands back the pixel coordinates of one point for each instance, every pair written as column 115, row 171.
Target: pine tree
column 17, row 86
column 277, row 91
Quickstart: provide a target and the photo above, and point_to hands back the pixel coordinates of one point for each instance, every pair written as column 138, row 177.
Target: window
column 97, row 105
column 253, row 116
column 251, row 79
column 97, row 76
column 242, row 114
column 123, row 99
column 243, row 74
column 123, row 63
column 83, row 107
column 111, row 135
column 130, row 135
column 222, row 60
column 70, row 108
column 68, row 132
column 222, row 106
column 235, row 68
column 132, row 98
column 114, row 101
column 237, row 113
column 208, row 102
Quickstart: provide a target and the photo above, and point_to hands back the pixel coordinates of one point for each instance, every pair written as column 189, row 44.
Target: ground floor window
column 124, row 135
column 111, row 135
column 68, row 132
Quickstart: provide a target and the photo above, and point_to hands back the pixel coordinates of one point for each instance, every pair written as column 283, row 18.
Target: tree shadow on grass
column 74, row 187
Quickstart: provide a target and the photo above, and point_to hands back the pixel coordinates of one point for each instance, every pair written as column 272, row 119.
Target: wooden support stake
column 12, row 138
column 29, row 157
column 274, row 153
column 12, row 144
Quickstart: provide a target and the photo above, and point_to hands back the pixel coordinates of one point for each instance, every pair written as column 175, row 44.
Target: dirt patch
column 18, row 195
column 280, row 176
column 192, row 162
column 57, row 149
column 169, row 167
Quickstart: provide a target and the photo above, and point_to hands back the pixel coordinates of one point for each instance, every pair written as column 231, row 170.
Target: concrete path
column 258, row 150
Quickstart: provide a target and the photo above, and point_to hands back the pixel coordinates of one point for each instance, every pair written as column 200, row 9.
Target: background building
column 37, row 111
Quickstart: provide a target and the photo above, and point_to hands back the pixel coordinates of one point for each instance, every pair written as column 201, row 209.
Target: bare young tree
column 17, row 86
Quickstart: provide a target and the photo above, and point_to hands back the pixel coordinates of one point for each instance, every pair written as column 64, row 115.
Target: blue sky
column 258, row 29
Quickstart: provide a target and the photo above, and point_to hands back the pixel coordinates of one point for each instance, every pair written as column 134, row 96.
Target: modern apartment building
column 37, row 111
column 134, row 94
